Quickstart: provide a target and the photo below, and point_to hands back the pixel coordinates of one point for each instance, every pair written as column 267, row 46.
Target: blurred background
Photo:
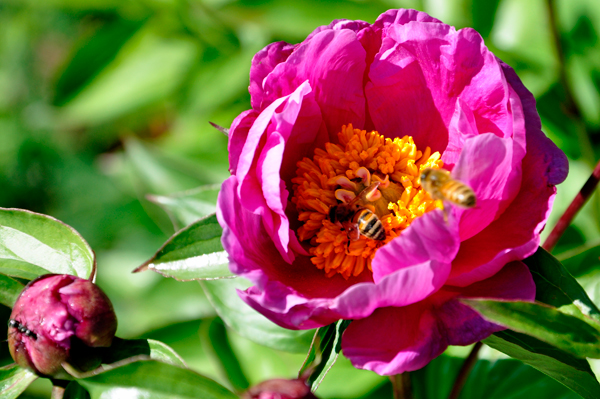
column 104, row 110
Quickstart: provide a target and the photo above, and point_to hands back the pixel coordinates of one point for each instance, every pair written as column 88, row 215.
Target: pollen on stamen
column 358, row 159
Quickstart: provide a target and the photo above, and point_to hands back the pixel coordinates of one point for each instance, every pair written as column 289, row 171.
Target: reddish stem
column 402, row 386
column 463, row 374
column 565, row 220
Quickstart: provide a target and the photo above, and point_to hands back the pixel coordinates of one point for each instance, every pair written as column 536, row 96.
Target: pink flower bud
column 60, row 318
column 280, row 389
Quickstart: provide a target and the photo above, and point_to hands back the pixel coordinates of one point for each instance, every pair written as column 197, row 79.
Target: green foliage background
column 104, row 102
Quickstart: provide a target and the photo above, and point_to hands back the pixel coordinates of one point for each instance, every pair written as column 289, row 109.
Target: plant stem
column 57, row 392
column 580, row 199
column 402, row 386
column 464, row 371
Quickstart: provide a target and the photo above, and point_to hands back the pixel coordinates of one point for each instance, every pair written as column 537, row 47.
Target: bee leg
column 445, row 212
column 353, row 235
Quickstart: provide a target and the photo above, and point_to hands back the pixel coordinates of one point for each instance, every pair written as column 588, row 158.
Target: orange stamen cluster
column 340, row 172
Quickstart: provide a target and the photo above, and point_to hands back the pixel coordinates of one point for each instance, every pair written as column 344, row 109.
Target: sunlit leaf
column 194, row 253
column 543, row 322
column 556, row 287
column 186, row 207
column 92, row 55
column 122, row 349
column 146, row 69
column 325, row 348
column 14, row 380
column 32, row 244
column 9, row 290
column 570, row 371
column 489, row 379
column 248, row 322
column 153, row 380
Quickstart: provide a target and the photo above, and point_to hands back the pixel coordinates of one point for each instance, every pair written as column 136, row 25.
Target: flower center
column 364, row 178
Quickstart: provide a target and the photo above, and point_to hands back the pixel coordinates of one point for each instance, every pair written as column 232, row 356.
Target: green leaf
column 570, row 371
column 555, row 286
column 9, row 290
column 194, row 253
column 489, row 379
column 32, row 244
column 484, row 13
column 147, row 68
column 582, row 259
column 153, row 380
column 217, row 344
column 249, row 323
column 160, row 172
column 323, row 353
column 75, row 391
column 186, row 207
column 93, row 54
column 14, row 380
column 122, row 349
column 164, row 353
column 543, row 322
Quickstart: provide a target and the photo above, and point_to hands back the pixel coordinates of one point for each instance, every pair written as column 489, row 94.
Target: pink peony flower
column 356, row 104
column 60, row 318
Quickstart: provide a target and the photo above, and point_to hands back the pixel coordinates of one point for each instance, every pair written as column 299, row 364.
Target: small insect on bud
column 57, row 319
column 280, row 389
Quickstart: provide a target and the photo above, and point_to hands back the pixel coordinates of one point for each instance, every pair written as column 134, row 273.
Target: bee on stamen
column 440, row 186
column 356, row 219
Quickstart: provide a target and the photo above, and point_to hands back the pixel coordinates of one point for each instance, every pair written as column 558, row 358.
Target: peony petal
column 483, row 255
column 333, row 61
column 463, row 325
column 291, row 293
column 263, row 63
column 399, row 101
column 487, row 164
column 394, row 340
column 295, row 118
column 406, row 270
column 397, row 339
column 556, row 163
column 402, row 17
column 428, row 239
column 238, row 133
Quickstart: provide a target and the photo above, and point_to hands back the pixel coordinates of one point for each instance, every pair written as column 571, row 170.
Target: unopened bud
column 60, row 318
column 280, row 389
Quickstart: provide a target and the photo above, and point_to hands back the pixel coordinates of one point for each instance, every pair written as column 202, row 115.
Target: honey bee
column 356, row 219
column 440, row 186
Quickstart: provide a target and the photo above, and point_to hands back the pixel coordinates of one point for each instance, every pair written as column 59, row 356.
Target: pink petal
column 266, row 155
column 406, row 270
column 463, row 325
column 292, row 293
column 515, row 234
column 394, row 340
column 545, row 151
column 487, row 164
column 238, row 133
column 397, row 339
column 263, row 63
column 334, row 62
